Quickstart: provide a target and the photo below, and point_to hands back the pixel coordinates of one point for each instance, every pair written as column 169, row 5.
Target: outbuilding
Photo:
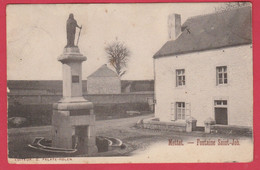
column 103, row 81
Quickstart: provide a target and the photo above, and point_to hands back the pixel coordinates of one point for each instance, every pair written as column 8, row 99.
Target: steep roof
column 103, row 71
column 212, row 31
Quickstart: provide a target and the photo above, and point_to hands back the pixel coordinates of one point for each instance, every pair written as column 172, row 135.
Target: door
column 221, row 116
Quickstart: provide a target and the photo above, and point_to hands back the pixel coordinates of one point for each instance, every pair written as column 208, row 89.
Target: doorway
column 221, row 112
column 80, row 137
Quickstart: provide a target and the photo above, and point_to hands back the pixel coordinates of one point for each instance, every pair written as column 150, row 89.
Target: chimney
column 174, row 26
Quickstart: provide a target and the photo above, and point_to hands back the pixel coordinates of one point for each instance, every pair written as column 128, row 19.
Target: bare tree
column 118, row 55
column 231, row 5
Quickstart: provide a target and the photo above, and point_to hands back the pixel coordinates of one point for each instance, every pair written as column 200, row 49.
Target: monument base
column 73, row 119
column 73, row 126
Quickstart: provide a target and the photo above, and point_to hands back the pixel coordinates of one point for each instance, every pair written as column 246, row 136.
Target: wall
column 30, row 91
column 201, row 90
column 138, row 97
column 103, row 85
column 27, row 87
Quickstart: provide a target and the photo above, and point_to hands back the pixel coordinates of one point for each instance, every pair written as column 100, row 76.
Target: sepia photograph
column 129, row 83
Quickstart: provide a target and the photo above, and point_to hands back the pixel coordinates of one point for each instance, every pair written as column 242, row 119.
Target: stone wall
column 177, row 127
column 138, row 97
column 234, row 130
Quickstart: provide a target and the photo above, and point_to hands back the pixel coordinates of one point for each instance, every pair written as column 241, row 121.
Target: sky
column 36, row 35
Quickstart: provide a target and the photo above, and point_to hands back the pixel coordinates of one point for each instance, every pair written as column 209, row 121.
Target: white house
column 206, row 71
column 103, row 81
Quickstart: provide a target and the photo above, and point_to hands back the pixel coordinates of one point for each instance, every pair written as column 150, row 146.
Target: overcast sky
column 36, row 35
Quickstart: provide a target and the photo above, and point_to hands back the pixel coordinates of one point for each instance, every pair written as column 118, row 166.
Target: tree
column 118, row 55
column 231, row 5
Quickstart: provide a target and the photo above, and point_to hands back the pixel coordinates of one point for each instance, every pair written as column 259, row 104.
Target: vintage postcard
column 130, row 83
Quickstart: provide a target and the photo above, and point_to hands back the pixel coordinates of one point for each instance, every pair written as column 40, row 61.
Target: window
column 180, row 110
column 220, row 103
column 180, row 77
column 222, row 75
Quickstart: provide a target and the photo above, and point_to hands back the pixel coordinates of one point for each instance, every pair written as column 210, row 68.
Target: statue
column 71, row 30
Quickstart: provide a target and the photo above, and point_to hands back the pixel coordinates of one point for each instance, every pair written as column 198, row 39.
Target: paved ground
column 135, row 139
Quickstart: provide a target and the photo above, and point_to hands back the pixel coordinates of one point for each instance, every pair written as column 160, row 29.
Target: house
column 205, row 69
column 103, row 81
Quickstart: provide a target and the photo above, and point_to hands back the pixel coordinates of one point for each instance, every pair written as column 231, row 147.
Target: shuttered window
column 180, row 111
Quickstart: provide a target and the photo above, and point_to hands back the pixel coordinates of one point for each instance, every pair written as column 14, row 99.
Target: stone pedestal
column 73, row 119
column 191, row 124
column 208, row 122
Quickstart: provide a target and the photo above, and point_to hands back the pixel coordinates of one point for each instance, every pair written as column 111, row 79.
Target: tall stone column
column 73, row 119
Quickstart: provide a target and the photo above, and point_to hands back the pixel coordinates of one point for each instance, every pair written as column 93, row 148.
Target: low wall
column 137, row 97
column 189, row 125
column 231, row 129
column 177, row 127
